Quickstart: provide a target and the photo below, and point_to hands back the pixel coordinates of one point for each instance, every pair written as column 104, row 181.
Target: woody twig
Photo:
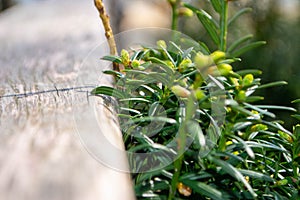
column 108, row 32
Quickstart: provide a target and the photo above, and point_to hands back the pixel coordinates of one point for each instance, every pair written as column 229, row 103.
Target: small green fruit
column 224, row 69
column 183, row 11
column 241, row 96
column 185, row 63
column 135, row 64
column 248, row 80
column 217, row 56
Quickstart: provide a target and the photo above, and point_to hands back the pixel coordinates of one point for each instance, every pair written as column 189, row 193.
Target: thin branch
column 108, row 32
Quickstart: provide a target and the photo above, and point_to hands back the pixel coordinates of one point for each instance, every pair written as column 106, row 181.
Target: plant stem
column 223, row 25
column 174, row 4
column 108, row 32
column 189, row 110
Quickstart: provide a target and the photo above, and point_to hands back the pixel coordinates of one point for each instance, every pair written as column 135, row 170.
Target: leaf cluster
column 185, row 104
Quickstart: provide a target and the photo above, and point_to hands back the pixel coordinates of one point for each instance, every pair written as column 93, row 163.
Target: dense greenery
column 191, row 106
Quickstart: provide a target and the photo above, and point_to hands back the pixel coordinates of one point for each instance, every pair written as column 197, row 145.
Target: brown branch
column 108, row 32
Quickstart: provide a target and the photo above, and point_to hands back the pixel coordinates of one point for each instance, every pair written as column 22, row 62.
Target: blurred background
column 274, row 21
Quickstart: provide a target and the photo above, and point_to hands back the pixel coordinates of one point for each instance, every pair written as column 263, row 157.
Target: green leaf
column 138, row 99
column 135, row 72
column 169, row 56
column 112, row 58
column 150, row 119
column 130, row 110
column 187, row 52
column 273, row 84
column 232, row 171
column 246, row 147
column 238, row 42
column 194, row 129
column 217, row 5
column 205, row 48
column 246, row 48
column 155, row 77
column 208, row 23
column 251, row 99
column 264, row 144
column 238, row 14
column 276, row 107
column 205, row 190
column 162, row 65
column 256, row 175
column 260, row 110
column 242, row 110
column 296, row 116
column 115, row 73
column 229, row 61
column 109, row 91
column 296, row 101
column 249, row 71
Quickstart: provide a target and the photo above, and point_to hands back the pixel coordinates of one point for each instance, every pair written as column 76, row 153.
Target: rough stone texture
column 46, row 46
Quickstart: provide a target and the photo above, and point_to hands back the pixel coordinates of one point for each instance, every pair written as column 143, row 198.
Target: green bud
column 183, row 11
column 198, row 81
column 199, row 94
column 141, row 68
column 213, row 70
column 135, row 64
column 217, row 56
column 259, row 127
column 185, row 63
column 161, row 44
column 224, row 69
column 202, row 61
column 180, row 91
column 248, row 79
column 170, row 64
column 183, row 82
column 241, row 96
column 125, row 57
column 282, row 182
column 286, row 136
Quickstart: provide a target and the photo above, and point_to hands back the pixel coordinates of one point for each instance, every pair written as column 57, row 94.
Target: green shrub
column 224, row 144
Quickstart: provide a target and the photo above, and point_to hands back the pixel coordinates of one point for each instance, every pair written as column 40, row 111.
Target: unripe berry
column 185, row 63
column 217, row 56
column 135, row 64
column 247, row 80
column 224, row 69
column 183, row 11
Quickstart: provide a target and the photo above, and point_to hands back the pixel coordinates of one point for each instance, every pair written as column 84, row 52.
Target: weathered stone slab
column 45, row 46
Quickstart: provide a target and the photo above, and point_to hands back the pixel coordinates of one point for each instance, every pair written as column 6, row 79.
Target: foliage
column 238, row 151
